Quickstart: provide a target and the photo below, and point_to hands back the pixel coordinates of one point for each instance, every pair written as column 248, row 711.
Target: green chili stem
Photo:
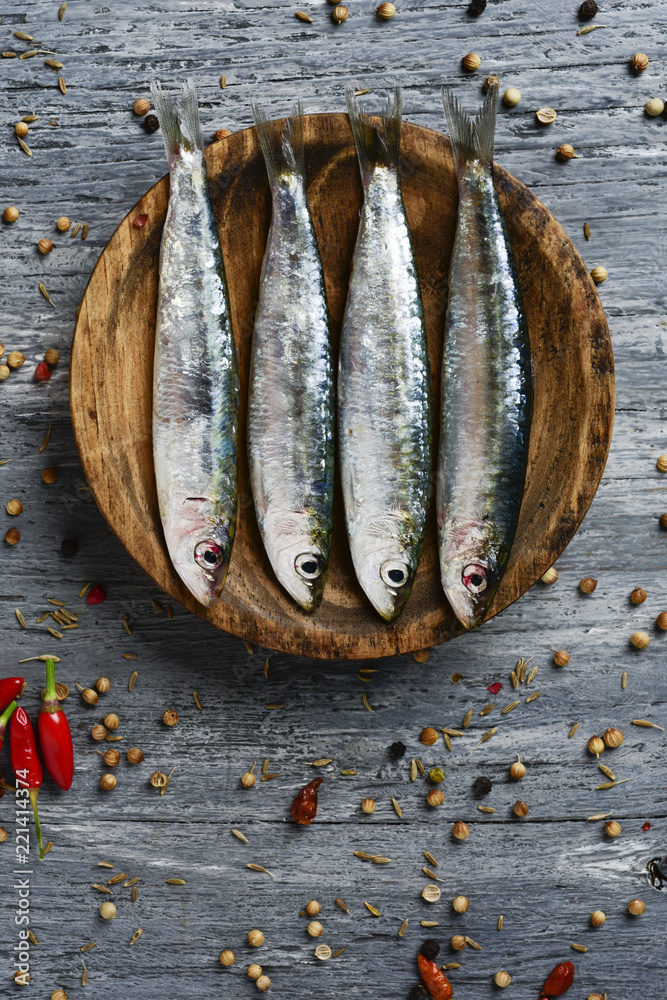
column 50, row 693
column 5, row 717
column 38, row 829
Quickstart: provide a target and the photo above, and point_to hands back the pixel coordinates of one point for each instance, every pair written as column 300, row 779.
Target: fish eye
column 475, row 578
column 309, row 565
column 209, row 555
column 394, row 573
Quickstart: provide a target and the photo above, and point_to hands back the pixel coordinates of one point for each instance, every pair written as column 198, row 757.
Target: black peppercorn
column 151, row 123
column 69, row 547
column 397, row 749
column 417, row 993
column 476, row 7
column 430, row 949
column 588, row 9
column 482, row 785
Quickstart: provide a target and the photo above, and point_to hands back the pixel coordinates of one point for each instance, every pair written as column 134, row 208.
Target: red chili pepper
column 559, row 980
column 4, row 721
column 96, row 595
column 10, row 688
column 42, row 372
column 435, row 980
column 304, row 806
column 26, row 763
column 54, row 733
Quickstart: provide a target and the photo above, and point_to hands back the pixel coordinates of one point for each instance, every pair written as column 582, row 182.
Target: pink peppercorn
column 95, row 595
column 646, row 826
column 494, row 688
column 140, row 221
column 42, row 372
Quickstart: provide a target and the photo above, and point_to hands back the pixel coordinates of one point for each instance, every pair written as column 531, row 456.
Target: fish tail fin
column 282, row 142
column 377, row 138
column 179, row 118
column 471, row 138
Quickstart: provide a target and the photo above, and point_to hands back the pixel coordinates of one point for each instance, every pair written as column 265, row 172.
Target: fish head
column 200, row 546
column 471, row 574
column 301, row 568
column 386, row 573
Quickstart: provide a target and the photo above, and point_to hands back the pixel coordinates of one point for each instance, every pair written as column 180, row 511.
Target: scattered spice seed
column 448, row 742
column 587, row 231
column 321, row 762
column 413, row 770
column 573, row 730
column 348, row 771
column 372, row 909
column 610, row 784
column 487, row 709
column 624, row 680
column 451, row 965
column 366, row 702
column 608, row 771
column 47, row 847
column 131, row 882
column 76, row 230
column 53, row 63
column 533, row 696
column 22, row 35
column 421, row 655
column 466, row 719
column 303, row 17
column 585, row 31
column 135, row 937
column 32, row 937
column 84, row 974
column 259, row 868
column 429, row 857
column 646, row 723
column 532, row 675
column 62, row 85
column 135, row 894
column 397, row 808
column 133, row 677
column 473, row 944
column 104, row 864
column 598, row 816
column 61, row 12
column 158, row 607
column 514, row 679
column 276, row 706
column 510, row 707
column 84, row 234
column 420, row 766
column 337, row 953
column 9, row 55
column 487, row 736
column 266, row 669
column 430, row 874
column 21, row 619
column 486, row 809
column 117, row 878
column 579, row 947
column 499, row 925
column 240, row 836
column 343, row 906
column 269, row 777
column 403, row 928
column 126, row 625
column 178, row 881
column 87, row 947
column 101, row 888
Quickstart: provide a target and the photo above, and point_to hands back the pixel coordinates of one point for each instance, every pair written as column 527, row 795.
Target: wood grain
column 111, row 383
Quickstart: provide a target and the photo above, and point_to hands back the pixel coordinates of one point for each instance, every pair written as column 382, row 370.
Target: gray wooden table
column 546, row 873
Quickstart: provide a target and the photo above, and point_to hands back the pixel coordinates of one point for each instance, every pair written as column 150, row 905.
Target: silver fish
column 195, row 378
column 384, row 378
column 486, row 381
column 291, row 393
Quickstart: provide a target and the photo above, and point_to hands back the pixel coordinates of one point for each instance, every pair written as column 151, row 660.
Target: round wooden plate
column 112, row 361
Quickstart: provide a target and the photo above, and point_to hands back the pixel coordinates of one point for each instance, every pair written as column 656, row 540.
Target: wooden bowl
column 112, row 362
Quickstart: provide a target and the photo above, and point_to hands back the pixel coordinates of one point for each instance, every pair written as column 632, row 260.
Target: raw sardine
column 486, row 381
column 291, row 394
column 195, row 380
column 384, row 378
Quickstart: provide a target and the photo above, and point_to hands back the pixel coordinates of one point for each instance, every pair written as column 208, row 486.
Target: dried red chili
column 10, row 688
column 495, row 687
column 435, row 980
column 96, row 595
column 4, row 720
column 559, row 980
column 54, row 733
column 304, row 806
column 26, row 764
column 42, row 372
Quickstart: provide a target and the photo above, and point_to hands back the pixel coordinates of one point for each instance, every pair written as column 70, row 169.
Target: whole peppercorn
column 255, row 939
column 107, row 911
column 566, row 152
column 458, row 942
column 430, row 949
column 45, row 245
column 639, row 640
column 471, row 62
column 550, row 576
column 661, row 621
column 587, row 585
column 49, row 476
column 141, row 106
column 368, row 806
column 134, row 755
column 313, row 908
column 10, row 214
column 170, row 717
column 103, row 684
column 89, row 696
column 15, row 359
column 227, row 957
column 461, row 830
column 518, row 769
column 263, row 984
column 460, row 904
column 520, row 808
column 385, row 11
column 108, row 782
column 158, row 779
column 63, row 223
column 428, row 736
column 597, row 918
column 613, row 738
column 502, row 979
column 561, row 658
column 397, row 749
column 482, row 785
column 490, row 81
column 151, row 123
column 476, row 7
column 340, row 14
column 612, row 828
column 654, row 107
column 588, row 9
column 52, row 357
column 222, row 133
column 21, row 129
column 661, row 464
column 69, row 547
column 511, row 97
column 111, row 721
column 639, row 62
column 111, row 758
column 14, row 507
column 596, row 745
column 435, row 797
column 4, row 372
column 58, row 995
column 3, row 835
column 254, row 971
column 98, row 733
column 315, row 928
column 663, row 520
column 248, row 779
column 636, row 907
column 42, row 374
column 13, row 536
